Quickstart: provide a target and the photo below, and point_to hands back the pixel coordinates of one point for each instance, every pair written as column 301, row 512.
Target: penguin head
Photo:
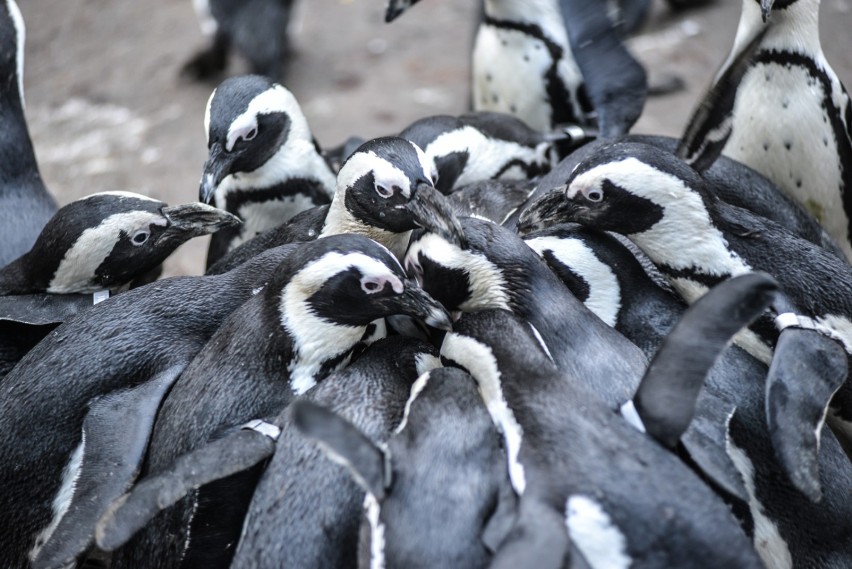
column 348, row 280
column 469, row 277
column 626, row 188
column 249, row 119
column 388, row 184
column 107, row 239
column 12, row 36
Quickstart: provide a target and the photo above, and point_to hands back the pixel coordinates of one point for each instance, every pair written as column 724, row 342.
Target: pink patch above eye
column 376, row 284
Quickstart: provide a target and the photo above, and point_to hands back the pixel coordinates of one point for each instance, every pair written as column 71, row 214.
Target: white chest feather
column 488, row 156
column 377, row 532
column 595, row 535
column 262, row 216
column 482, row 365
column 604, row 292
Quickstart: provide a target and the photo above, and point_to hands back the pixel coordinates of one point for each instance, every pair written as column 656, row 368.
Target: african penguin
column 309, row 321
column 791, row 114
column 496, row 269
column 486, row 146
column 697, row 240
column 306, row 510
column 83, row 401
column 384, row 191
column 495, row 200
column 263, row 164
column 258, row 29
column 105, row 240
column 25, row 204
column 609, row 485
column 438, row 494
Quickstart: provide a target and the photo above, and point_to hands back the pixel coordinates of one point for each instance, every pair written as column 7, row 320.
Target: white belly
column 262, row 216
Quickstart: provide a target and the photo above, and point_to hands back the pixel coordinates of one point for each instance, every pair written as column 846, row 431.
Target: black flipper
column 345, row 443
column 806, row 370
column 710, row 126
column 701, row 441
column 500, row 524
column 539, row 539
column 615, row 82
column 115, row 433
column 236, row 452
column 41, row 309
column 665, row 399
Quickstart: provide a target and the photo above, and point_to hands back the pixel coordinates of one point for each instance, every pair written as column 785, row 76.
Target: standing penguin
column 791, row 115
column 385, row 189
column 257, row 28
column 309, row 321
column 263, row 164
column 25, row 204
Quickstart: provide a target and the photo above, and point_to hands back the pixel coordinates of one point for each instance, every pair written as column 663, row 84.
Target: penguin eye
column 384, row 191
column 250, row 134
column 594, row 195
column 140, row 237
column 372, row 285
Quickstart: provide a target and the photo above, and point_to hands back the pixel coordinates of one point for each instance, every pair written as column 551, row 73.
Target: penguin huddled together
column 518, row 337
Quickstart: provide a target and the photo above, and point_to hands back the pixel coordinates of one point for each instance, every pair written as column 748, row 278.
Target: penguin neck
column 15, row 278
column 318, row 346
column 686, row 241
column 794, row 28
column 340, row 220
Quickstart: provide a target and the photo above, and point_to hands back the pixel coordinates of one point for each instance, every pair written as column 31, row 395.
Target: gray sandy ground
column 107, row 110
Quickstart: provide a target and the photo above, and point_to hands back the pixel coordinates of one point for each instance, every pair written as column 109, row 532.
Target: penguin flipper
column 806, row 371
column 236, row 452
column 41, row 309
column 666, row 397
column 705, row 441
column 115, row 436
column 347, row 444
column 615, row 82
column 710, row 126
column 539, row 539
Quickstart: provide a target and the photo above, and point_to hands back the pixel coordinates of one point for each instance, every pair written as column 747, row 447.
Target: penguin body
column 384, row 190
column 589, row 468
column 791, row 115
column 145, row 336
column 25, row 204
column 497, row 269
column 309, row 321
column 785, row 525
column 258, row 29
column 494, row 200
column 440, row 479
column 306, row 510
column 106, row 240
column 263, row 164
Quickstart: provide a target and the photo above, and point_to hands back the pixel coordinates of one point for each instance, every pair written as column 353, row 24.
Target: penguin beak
column 417, row 303
column 550, row 209
column 216, row 168
column 432, row 212
column 396, row 8
column 198, row 218
column 766, row 8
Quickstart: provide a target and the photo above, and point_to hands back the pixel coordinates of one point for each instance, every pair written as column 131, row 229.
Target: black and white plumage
column 25, row 204
column 697, row 240
column 129, row 349
column 258, row 29
column 791, row 115
column 595, row 474
column 487, row 146
column 307, row 509
column 384, row 190
column 263, row 164
column 438, row 493
column 496, row 269
column 106, row 240
column 309, row 321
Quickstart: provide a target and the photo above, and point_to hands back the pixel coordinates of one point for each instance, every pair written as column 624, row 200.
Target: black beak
column 216, row 168
column 396, row 8
column 433, row 212
column 550, row 209
column 417, row 303
column 198, row 218
column 766, row 8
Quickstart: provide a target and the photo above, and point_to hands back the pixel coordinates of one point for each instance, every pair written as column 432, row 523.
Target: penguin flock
column 518, row 337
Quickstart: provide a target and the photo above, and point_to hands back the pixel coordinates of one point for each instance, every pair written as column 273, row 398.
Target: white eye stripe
column 274, row 100
column 207, row 116
column 384, row 173
column 246, row 131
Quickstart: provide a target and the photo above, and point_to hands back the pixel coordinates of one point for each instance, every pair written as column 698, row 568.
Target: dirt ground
column 107, row 111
